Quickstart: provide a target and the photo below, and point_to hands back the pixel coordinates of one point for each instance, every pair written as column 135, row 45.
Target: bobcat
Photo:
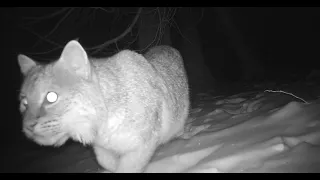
column 124, row 106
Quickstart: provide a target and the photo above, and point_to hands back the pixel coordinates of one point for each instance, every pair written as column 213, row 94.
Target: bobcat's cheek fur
column 46, row 132
column 79, row 122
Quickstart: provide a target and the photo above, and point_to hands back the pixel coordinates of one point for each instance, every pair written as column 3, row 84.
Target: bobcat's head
column 59, row 100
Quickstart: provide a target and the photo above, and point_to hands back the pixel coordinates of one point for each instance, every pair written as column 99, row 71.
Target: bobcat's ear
column 25, row 63
column 74, row 58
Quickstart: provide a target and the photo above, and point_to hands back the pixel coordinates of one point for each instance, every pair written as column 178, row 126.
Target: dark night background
column 219, row 45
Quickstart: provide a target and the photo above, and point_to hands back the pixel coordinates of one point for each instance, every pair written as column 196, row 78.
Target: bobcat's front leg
column 106, row 158
column 135, row 161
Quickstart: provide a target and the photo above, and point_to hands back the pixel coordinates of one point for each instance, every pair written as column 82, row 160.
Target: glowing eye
column 23, row 104
column 24, row 101
column 52, row 97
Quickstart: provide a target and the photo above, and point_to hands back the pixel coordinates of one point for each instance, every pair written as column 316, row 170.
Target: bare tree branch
column 56, row 26
column 154, row 11
column 159, row 33
column 165, row 17
column 41, row 37
column 177, row 27
column 103, row 9
column 45, row 52
column 37, row 19
column 59, row 22
column 202, row 14
column 101, row 46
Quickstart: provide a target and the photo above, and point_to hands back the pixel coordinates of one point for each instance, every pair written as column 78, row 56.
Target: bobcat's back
column 169, row 66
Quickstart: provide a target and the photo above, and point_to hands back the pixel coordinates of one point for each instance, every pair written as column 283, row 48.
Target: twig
column 158, row 31
column 37, row 19
column 202, row 14
column 161, row 29
column 155, row 10
column 131, row 41
column 173, row 23
column 101, row 46
column 56, row 26
column 116, row 16
column 45, row 52
column 117, row 46
column 179, row 31
column 105, row 10
column 279, row 91
column 41, row 37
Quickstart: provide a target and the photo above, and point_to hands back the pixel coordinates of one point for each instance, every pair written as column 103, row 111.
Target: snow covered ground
column 249, row 132
column 254, row 131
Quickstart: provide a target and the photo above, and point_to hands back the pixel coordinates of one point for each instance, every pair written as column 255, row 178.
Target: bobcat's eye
column 24, row 101
column 52, row 97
